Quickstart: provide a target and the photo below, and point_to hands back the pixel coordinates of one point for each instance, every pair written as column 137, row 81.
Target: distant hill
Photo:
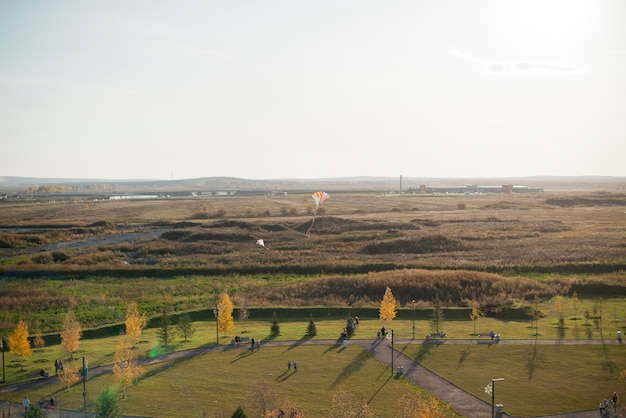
column 365, row 183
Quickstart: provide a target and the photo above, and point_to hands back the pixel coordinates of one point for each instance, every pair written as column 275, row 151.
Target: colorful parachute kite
column 318, row 197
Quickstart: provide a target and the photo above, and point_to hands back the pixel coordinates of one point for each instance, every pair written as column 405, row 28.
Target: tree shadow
column 356, row 364
column 424, row 349
column 532, row 360
column 464, row 354
column 378, row 390
column 301, row 341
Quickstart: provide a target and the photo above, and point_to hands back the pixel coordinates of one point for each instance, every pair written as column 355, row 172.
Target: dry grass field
column 493, row 248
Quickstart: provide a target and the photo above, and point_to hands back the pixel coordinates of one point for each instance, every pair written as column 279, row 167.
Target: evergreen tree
column 350, row 326
column 165, row 329
column 106, row 405
column 184, row 327
column 437, row 317
column 311, row 329
column 239, row 413
column 275, row 328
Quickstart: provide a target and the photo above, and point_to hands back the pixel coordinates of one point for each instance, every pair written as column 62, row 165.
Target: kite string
column 308, row 232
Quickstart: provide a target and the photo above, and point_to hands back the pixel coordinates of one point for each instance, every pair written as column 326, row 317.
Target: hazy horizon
column 161, row 90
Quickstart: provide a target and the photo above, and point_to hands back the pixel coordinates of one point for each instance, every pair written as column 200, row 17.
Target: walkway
column 461, row 401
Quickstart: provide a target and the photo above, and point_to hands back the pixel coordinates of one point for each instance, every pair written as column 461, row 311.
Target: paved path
column 461, row 401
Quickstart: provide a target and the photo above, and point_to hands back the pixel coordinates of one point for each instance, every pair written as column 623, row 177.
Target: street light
column 217, row 328
column 390, row 336
column 491, row 390
column 413, row 318
column 84, row 383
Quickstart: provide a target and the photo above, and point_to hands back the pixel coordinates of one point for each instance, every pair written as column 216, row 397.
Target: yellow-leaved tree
column 388, row 306
column 126, row 368
column 70, row 334
column 225, row 321
column 135, row 323
column 19, row 344
column 412, row 405
column 475, row 314
column 70, row 374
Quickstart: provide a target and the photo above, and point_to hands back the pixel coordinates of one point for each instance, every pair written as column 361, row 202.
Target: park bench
column 39, row 374
column 242, row 340
column 438, row 337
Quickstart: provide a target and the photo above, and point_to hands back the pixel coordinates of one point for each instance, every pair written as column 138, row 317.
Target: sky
column 150, row 89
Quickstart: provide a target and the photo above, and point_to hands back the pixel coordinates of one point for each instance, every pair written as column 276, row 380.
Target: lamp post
column 84, row 383
column 491, row 389
column 413, row 318
column 2, row 348
column 390, row 337
column 217, row 328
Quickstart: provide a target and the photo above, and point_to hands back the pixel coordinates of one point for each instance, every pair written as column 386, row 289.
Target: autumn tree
column 559, row 308
column 184, row 327
column 437, row 317
column 135, row 323
column 244, row 314
column 412, row 405
column 19, row 344
column 70, row 374
column 388, row 306
column 126, row 368
column 575, row 301
column 71, row 333
column 345, row 405
column 536, row 314
column 225, row 321
column 475, row 314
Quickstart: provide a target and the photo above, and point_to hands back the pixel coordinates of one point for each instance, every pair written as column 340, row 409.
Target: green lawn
column 535, row 375
column 538, row 379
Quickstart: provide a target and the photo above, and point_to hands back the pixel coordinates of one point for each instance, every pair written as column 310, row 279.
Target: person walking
column 295, row 366
column 26, row 403
column 289, row 365
column 614, row 401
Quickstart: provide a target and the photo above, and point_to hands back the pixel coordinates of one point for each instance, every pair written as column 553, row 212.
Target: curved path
column 461, row 401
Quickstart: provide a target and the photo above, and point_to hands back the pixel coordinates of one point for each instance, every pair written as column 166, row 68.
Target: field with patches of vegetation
column 499, row 250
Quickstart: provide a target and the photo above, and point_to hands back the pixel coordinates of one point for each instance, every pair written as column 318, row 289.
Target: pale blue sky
column 312, row 89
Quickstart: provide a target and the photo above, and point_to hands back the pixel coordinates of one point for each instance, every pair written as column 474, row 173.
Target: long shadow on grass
column 532, row 359
column 379, row 389
column 465, row 353
column 285, row 375
column 356, row 364
column 242, row 355
column 299, row 342
column 424, row 349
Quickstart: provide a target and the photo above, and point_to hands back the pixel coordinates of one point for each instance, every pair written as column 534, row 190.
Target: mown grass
column 538, row 379
column 528, row 367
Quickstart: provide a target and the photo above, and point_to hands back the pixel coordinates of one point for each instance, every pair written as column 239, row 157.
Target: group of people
column 606, row 405
column 294, row 364
column 382, row 333
column 58, row 367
